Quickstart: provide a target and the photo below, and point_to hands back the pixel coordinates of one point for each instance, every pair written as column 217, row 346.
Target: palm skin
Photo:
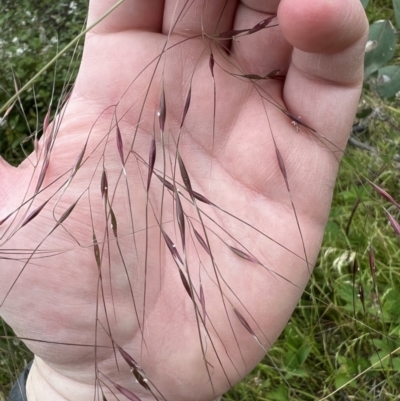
column 147, row 310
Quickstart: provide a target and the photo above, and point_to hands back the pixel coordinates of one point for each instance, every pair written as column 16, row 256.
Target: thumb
column 326, row 69
column 324, row 26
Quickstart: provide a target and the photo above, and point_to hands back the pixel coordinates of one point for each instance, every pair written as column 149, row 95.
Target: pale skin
column 320, row 45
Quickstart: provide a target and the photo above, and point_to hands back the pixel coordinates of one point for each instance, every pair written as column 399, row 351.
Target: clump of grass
column 329, row 348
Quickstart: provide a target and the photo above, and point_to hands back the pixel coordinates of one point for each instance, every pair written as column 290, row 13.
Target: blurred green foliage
column 380, row 51
column 31, row 34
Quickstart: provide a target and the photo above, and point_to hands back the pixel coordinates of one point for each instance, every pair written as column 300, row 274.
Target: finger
column 326, row 69
column 131, row 14
column 266, row 50
column 190, row 18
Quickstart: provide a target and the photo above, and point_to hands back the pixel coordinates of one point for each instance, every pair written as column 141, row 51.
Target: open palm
column 193, row 289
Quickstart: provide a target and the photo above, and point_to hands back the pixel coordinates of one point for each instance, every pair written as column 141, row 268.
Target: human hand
column 82, row 305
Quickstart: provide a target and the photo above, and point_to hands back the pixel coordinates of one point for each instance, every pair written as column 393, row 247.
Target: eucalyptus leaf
column 384, row 33
column 388, row 82
column 365, row 3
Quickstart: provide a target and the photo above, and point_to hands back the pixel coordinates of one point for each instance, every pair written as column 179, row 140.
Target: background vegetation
column 346, row 328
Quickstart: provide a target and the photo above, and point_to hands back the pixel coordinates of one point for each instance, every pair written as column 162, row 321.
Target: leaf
column 343, row 378
column 279, row 394
column 385, row 35
column 364, row 3
column 388, row 82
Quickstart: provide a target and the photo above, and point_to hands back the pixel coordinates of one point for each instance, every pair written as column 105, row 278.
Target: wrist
column 45, row 384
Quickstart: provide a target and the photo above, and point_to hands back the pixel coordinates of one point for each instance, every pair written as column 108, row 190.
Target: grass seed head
column 393, row 223
column 201, row 241
column 211, row 64
column 244, row 255
column 165, row 182
column 104, row 185
column 33, row 214
column 172, row 248
column 114, row 225
column 187, row 105
column 243, row 321
column 120, row 145
column 152, row 160
column 186, row 284
column 202, row 198
column 127, row 393
column 42, row 174
column 180, row 217
column 162, row 111
column 262, row 24
column 66, row 214
column 185, row 176
column 384, row 194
